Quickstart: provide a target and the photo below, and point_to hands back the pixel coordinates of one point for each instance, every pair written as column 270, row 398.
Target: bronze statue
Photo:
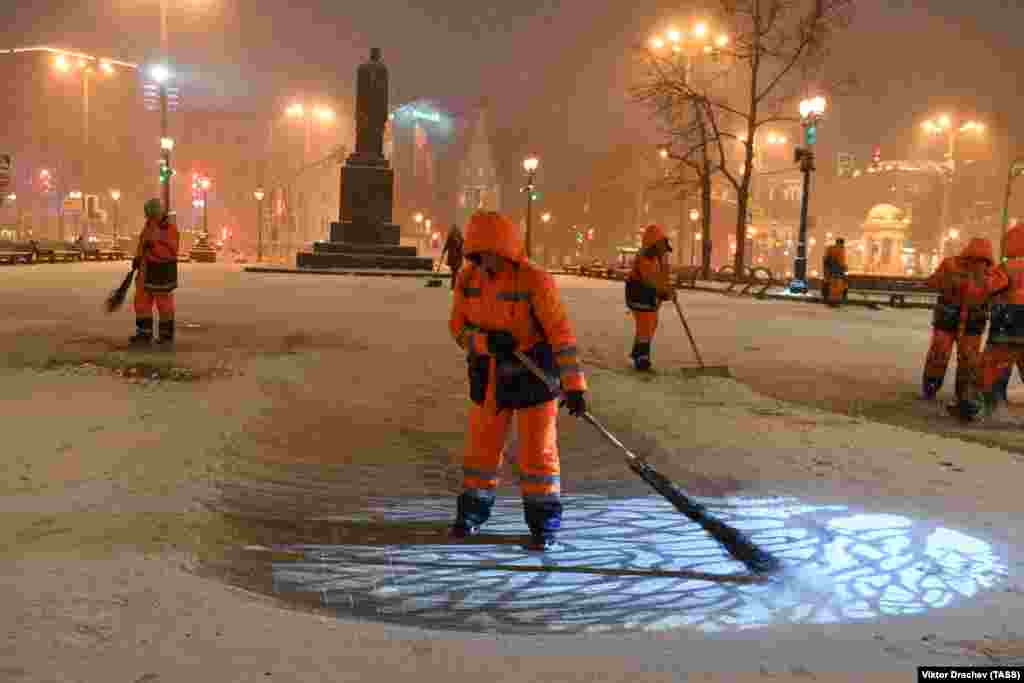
column 371, row 107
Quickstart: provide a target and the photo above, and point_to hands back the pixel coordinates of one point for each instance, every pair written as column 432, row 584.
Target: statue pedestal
column 365, row 237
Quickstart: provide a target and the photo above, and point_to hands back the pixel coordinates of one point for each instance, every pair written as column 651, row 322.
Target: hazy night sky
column 554, row 68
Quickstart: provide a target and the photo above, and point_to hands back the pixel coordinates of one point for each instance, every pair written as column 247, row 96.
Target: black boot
column 166, row 338
column 473, row 508
column 641, row 355
column 544, row 518
column 143, row 332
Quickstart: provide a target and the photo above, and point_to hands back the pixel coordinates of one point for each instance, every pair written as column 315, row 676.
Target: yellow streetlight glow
column 115, row 195
column 954, row 234
column 167, row 144
column 324, row 113
column 657, row 43
column 259, row 194
column 663, row 153
column 945, row 121
column 708, row 49
column 722, row 40
column 700, row 30
column 545, row 217
column 694, row 214
column 676, row 49
column 61, row 62
column 205, row 183
column 418, row 217
column 106, row 67
column 674, row 35
column 814, row 106
column 295, row 109
column 530, row 164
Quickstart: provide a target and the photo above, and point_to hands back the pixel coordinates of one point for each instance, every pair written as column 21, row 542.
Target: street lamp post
column 694, row 217
column 546, row 218
column 945, row 124
column 530, row 165
column 116, row 196
column 811, row 112
column 204, row 184
column 1016, row 170
column 259, row 194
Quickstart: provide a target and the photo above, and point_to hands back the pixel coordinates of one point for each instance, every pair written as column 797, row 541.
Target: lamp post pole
column 1016, row 169
column 259, row 195
column 811, row 111
column 530, row 166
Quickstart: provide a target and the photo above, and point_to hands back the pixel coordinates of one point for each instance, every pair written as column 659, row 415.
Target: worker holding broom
column 965, row 283
column 504, row 304
column 835, row 284
column 647, row 286
column 453, row 247
column 157, row 263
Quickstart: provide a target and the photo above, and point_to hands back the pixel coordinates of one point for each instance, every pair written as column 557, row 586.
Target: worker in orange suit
column 504, row 303
column 835, row 284
column 965, row 283
column 1005, row 347
column 157, row 262
column 647, row 286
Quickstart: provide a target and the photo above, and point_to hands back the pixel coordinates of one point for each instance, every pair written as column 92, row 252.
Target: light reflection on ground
column 841, row 566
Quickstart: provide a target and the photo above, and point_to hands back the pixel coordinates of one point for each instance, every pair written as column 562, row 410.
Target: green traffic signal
column 811, row 135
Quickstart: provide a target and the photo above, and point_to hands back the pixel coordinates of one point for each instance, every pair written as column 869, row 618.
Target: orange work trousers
column 145, row 300
column 536, row 452
column 968, row 352
column 646, row 326
column 997, row 366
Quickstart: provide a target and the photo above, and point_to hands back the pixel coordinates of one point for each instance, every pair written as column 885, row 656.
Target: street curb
column 342, row 271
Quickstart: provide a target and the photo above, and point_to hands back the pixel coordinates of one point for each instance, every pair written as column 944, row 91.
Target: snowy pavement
column 293, row 399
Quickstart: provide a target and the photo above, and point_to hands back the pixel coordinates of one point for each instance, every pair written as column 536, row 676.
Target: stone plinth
column 348, row 255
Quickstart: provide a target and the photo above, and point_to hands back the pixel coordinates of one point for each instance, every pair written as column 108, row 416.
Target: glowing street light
column 160, row 73
column 295, row 110
column 418, row 217
column 61, row 62
column 944, row 124
column 722, row 40
column 530, row 164
column 674, row 35
column 546, row 217
column 700, row 30
column 324, row 113
column 167, row 144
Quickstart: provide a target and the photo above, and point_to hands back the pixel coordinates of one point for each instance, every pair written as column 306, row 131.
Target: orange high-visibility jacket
column 159, row 241
column 522, row 299
column 961, row 282
column 651, row 270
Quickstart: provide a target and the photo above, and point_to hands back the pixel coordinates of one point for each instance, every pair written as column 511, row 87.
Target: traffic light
column 579, row 238
column 590, row 234
column 811, row 135
column 165, row 172
column 534, row 196
column 876, row 156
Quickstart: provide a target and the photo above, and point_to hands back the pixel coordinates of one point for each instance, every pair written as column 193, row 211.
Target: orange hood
column 1015, row 241
column 978, row 248
column 652, row 235
column 490, row 231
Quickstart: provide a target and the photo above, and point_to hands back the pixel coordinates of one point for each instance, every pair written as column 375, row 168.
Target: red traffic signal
column 590, row 234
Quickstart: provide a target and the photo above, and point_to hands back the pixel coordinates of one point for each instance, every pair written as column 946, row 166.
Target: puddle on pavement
column 625, row 564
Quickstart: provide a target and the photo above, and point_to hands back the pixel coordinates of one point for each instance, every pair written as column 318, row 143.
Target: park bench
column 52, row 251
column 12, row 252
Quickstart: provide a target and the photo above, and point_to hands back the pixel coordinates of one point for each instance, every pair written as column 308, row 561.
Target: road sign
column 73, row 205
column 5, row 171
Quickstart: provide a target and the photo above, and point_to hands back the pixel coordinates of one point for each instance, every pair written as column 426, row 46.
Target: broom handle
column 689, row 334
column 555, row 388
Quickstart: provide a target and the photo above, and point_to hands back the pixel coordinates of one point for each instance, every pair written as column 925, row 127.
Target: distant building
column 444, row 167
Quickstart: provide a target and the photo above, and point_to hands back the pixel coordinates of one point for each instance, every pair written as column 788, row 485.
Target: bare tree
column 773, row 53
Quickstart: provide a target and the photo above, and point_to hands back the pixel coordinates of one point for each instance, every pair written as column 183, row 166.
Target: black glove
column 501, row 343
column 575, row 402
column 135, row 263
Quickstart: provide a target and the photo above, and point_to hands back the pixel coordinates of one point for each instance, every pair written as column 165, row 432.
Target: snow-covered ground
column 292, row 397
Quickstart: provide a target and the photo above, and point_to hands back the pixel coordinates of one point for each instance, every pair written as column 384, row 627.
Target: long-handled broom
column 716, row 370
column 734, row 541
column 116, row 298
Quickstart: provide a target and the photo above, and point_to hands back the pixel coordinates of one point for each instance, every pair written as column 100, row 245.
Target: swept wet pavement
column 624, row 564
